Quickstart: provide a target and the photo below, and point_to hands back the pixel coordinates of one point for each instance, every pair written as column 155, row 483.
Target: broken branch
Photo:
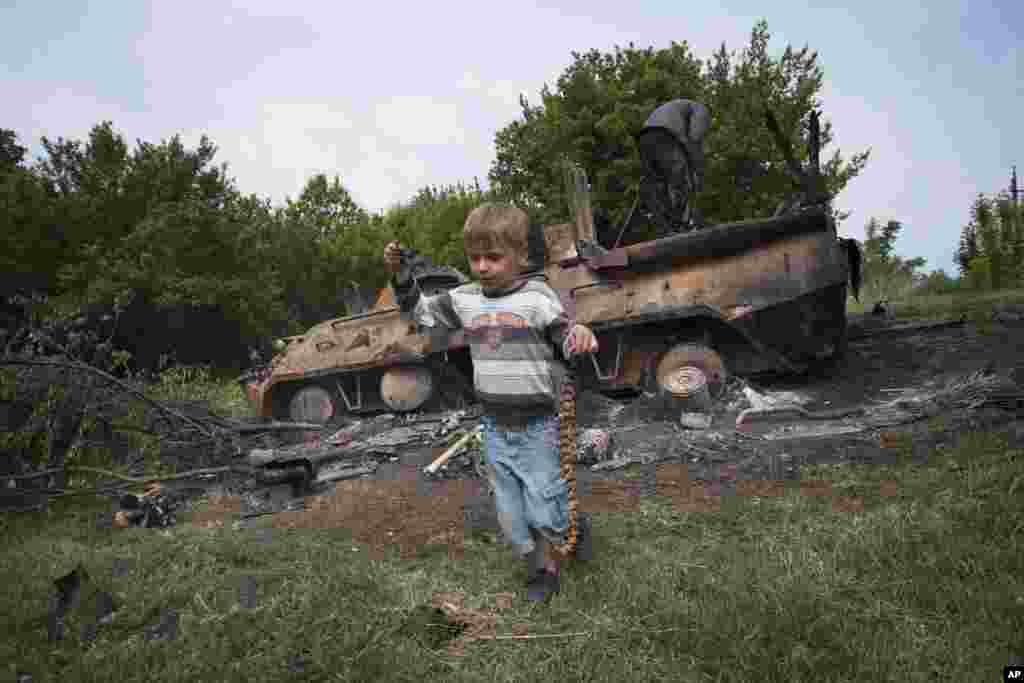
column 122, row 477
column 575, row 634
column 113, row 380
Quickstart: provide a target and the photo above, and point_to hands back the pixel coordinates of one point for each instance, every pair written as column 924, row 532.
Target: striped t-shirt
column 512, row 337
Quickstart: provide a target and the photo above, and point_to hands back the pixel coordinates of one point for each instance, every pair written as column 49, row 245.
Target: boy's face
column 495, row 267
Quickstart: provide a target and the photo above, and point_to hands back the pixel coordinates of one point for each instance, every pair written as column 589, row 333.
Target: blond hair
column 501, row 226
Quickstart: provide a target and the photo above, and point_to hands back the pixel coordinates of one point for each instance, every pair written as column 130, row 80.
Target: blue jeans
column 529, row 493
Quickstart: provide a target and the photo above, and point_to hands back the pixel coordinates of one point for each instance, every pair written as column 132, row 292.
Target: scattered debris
column 247, row 592
column 66, row 598
column 858, row 332
column 78, row 602
column 811, row 431
column 595, row 409
column 968, row 392
column 120, row 567
column 447, row 621
column 594, row 445
column 165, row 628
column 695, row 420
column 296, row 664
column 688, row 445
column 245, row 428
column 431, row 627
column 770, row 414
column 270, row 501
column 779, row 399
column 360, row 429
column 153, row 509
column 389, row 441
column 340, row 471
column 1007, row 312
column 965, row 393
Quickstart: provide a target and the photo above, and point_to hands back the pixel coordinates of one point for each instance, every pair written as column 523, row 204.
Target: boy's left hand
column 581, row 340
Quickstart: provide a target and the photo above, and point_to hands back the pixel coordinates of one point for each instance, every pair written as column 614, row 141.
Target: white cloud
column 418, row 120
column 468, row 81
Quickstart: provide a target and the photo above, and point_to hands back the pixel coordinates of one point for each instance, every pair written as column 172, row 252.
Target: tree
column 601, row 100
column 968, row 248
column 327, row 205
column 887, row 276
column 11, row 153
column 100, row 192
column 1011, row 228
column 31, row 242
column 938, row 282
column 314, row 237
column 993, row 242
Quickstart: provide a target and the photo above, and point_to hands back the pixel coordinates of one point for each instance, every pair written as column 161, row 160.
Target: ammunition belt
column 567, row 455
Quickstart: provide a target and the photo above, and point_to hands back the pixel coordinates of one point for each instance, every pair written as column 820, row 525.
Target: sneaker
column 584, row 537
column 542, row 586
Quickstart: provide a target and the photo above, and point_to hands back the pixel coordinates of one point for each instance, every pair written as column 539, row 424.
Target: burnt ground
column 399, row 505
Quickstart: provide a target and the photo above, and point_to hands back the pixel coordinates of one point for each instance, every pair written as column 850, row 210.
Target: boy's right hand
column 393, row 257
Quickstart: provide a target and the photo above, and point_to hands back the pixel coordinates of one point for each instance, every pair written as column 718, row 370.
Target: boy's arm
column 557, row 325
column 429, row 311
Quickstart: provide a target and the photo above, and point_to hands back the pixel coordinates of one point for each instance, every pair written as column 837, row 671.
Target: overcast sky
column 393, row 96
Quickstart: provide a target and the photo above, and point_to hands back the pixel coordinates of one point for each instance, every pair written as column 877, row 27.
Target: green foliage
column 432, row 222
column 887, row 276
column 312, row 244
column 601, row 100
column 11, row 153
column 199, row 383
column 979, row 273
column 31, row 243
column 326, row 207
column 938, row 282
column 991, row 250
column 93, row 221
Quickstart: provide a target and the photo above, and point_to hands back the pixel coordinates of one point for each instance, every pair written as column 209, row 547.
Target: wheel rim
column 686, row 382
column 692, row 368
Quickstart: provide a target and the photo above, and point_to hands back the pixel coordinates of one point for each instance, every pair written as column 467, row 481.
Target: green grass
column 201, row 383
column 977, row 306
column 927, row 584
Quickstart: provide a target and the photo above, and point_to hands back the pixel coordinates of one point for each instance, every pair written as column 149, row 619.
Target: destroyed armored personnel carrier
column 755, row 296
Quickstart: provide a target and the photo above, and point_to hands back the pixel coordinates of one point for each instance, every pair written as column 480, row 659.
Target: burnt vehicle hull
column 764, row 295
column 743, row 298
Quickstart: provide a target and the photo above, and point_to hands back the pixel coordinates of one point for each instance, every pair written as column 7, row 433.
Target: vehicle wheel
column 407, row 387
column 689, row 365
column 313, row 403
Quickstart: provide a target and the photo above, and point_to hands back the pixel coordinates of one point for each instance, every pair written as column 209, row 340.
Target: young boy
column 513, row 325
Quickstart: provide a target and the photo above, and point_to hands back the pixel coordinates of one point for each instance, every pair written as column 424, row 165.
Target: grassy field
column 976, row 306
column 905, row 572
